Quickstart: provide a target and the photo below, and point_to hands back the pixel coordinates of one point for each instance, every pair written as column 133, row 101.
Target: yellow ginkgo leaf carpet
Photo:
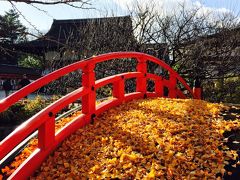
column 144, row 139
column 151, row 138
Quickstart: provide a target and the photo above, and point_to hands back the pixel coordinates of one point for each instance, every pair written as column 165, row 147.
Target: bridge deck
column 154, row 138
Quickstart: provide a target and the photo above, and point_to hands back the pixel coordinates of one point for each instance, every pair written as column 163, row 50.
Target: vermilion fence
column 44, row 121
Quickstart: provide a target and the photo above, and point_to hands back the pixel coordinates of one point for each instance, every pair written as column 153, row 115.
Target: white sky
column 42, row 20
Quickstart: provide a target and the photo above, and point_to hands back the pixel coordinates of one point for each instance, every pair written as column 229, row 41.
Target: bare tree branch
column 82, row 5
column 52, row 2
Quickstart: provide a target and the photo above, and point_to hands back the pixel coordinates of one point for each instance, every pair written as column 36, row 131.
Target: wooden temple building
column 75, row 39
column 68, row 41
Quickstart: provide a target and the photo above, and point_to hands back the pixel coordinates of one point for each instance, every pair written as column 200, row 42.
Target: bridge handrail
column 44, row 121
column 13, row 98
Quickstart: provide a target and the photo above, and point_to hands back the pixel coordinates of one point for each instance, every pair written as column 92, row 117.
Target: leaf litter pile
column 146, row 139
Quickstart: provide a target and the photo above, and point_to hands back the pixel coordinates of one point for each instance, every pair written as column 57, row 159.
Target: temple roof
column 65, row 32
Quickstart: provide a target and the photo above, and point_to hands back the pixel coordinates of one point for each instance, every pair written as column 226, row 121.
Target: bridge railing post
column 172, row 88
column 88, row 82
column 141, row 85
column 118, row 89
column 159, row 87
column 197, row 90
column 46, row 132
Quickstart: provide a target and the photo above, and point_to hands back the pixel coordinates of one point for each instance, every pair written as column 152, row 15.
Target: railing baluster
column 142, row 81
column 45, row 121
column 118, row 89
column 88, row 81
column 159, row 87
column 172, row 87
column 197, row 91
column 46, row 133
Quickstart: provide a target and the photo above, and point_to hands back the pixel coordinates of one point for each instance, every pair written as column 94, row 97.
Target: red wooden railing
column 44, row 121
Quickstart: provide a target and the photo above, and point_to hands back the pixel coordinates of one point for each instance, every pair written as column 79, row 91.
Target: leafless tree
column 89, row 37
column 144, row 19
column 201, row 46
column 85, row 38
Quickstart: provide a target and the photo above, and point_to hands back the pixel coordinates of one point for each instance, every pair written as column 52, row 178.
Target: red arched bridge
column 44, row 121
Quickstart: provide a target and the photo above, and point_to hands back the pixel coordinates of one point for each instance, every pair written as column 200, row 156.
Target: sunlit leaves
column 145, row 139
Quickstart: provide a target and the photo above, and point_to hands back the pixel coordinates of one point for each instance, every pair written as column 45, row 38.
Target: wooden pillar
column 46, row 132
column 88, row 82
column 172, row 88
column 197, row 90
column 142, row 81
column 118, row 89
column 159, row 87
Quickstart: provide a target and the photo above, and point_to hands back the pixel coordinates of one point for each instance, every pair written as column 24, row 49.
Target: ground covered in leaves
column 146, row 139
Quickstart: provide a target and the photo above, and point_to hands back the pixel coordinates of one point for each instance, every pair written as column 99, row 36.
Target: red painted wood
column 118, row 89
column 46, row 134
column 44, row 120
column 88, row 81
column 142, row 81
column 172, row 88
column 107, row 105
column 180, row 94
column 197, row 93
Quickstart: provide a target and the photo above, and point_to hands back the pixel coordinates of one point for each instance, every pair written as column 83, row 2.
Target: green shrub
column 24, row 109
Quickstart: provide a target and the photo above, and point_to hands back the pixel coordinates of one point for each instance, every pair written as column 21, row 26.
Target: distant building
column 9, row 68
column 75, row 39
column 68, row 41
column 15, row 73
column 219, row 56
column 71, row 40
